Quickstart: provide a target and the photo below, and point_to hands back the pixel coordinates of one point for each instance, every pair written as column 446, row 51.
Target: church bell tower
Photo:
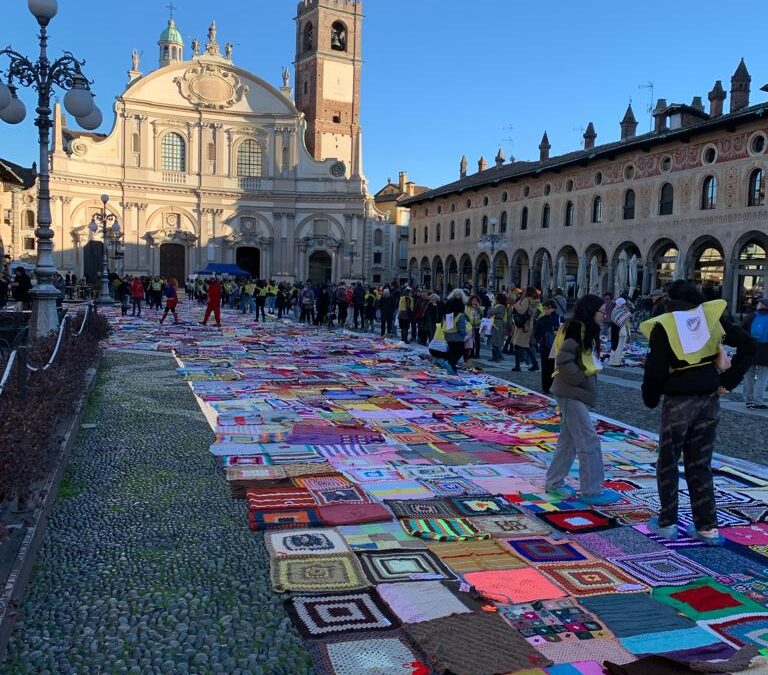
column 328, row 64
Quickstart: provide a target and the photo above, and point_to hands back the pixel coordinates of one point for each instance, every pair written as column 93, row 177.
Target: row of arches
column 739, row 275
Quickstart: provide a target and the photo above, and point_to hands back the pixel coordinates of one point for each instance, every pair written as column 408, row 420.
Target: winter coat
column 571, row 380
column 521, row 337
column 761, row 355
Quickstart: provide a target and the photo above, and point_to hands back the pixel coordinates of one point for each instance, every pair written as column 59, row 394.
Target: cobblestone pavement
column 740, row 433
column 146, row 565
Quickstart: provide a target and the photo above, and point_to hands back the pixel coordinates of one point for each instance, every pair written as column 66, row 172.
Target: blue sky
column 441, row 77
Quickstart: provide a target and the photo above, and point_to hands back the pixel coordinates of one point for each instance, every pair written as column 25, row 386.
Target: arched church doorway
column 248, row 258
column 172, row 261
column 92, row 254
column 320, row 268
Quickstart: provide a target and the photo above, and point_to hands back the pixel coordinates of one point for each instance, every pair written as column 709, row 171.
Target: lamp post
column 43, row 75
column 491, row 241
column 109, row 224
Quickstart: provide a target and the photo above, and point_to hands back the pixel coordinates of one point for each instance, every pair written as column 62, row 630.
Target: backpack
column 521, row 320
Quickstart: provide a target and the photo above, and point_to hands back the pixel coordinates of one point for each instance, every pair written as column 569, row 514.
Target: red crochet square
column 706, row 599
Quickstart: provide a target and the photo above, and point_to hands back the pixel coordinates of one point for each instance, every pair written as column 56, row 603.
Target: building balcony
column 175, row 177
column 249, row 184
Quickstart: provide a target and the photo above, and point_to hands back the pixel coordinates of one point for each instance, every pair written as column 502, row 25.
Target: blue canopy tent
column 223, row 269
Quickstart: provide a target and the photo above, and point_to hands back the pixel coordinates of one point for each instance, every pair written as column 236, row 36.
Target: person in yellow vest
column 260, row 298
column 271, row 296
column 577, row 363
column 247, row 303
column 405, row 313
column 686, row 365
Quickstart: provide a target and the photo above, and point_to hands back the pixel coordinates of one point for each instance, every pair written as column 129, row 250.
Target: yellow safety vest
column 713, row 310
column 590, row 364
column 249, row 288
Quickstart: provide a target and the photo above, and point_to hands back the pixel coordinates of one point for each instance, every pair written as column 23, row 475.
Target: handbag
column 486, row 326
column 439, row 343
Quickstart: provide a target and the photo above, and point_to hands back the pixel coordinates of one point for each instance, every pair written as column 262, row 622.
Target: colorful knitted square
column 629, row 614
column 442, row 529
column 483, row 505
column 372, row 474
column 422, row 508
column 662, row 568
column 319, row 541
column 317, row 573
column 474, row 644
column 706, row 599
column 453, row 487
column 741, row 629
column 630, row 516
column 398, row 489
column 513, row 586
column 540, row 551
column 279, row 499
column 351, row 494
column 755, row 534
column 559, row 620
column 321, row 482
column 423, row 600
column 579, row 521
column 511, row 525
column 754, row 589
column 266, row 520
column 680, row 543
column 379, row 537
column 754, row 514
column 403, row 565
column 353, row 514
column 427, row 471
column 592, row 577
column 391, row 653
column 475, row 555
column 319, row 615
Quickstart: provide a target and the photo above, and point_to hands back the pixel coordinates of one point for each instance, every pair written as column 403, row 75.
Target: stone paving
column 146, row 566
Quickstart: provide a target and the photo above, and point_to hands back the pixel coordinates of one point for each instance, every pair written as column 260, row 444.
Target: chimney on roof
column 660, row 116
column 544, row 147
column 463, row 167
column 589, row 136
column 628, row 124
column 500, row 158
column 403, row 180
column 740, row 87
column 716, row 98
column 482, row 165
column 696, row 103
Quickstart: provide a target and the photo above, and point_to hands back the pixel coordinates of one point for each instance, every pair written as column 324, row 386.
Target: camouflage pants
column 688, row 426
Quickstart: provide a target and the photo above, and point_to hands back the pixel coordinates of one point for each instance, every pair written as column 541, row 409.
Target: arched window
column 338, row 37
column 438, row 233
column 426, row 234
column 378, row 238
column 709, row 193
column 485, row 225
column 249, row 158
column 666, row 199
column 174, row 153
column 545, row 216
column 503, row 224
column 452, row 231
column 524, row 219
column 467, row 227
column 309, row 37
column 597, row 210
column 568, row 220
column 629, row 205
column 28, row 221
column 756, row 193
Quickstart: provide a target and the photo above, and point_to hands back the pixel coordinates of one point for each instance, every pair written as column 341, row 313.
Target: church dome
column 171, row 34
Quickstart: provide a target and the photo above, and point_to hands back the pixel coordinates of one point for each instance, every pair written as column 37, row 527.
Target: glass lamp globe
column 43, row 10
column 91, row 121
column 5, row 95
column 116, row 227
column 78, row 100
column 93, row 226
column 15, row 111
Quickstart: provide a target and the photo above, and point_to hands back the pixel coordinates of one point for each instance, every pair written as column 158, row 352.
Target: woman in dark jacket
column 756, row 378
column 544, row 335
column 387, row 311
column 322, row 304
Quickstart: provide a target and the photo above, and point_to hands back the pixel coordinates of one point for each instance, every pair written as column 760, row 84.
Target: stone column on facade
column 218, row 144
column 227, row 168
column 277, row 137
column 277, row 244
column 648, row 278
column 288, row 235
column 145, row 142
column 610, row 273
column 334, row 265
column 141, row 231
column 152, row 157
column 67, row 259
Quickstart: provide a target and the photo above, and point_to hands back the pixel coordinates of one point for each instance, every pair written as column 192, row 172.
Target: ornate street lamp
column 43, row 76
column 109, row 227
column 491, row 241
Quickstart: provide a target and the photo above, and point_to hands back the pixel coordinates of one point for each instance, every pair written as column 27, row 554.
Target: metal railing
column 19, row 354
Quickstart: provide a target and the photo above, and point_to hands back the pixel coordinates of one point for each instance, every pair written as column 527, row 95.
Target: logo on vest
column 693, row 324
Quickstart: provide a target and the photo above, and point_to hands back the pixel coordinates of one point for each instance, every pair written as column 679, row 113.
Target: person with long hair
column 455, row 331
column 523, row 315
column 171, row 299
column 499, row 314
column 577, row 363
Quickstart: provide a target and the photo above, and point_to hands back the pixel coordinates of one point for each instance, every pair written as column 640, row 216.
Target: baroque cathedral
column 208, row 163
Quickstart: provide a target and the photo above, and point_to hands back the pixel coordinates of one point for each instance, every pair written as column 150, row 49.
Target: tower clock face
column 338, row 169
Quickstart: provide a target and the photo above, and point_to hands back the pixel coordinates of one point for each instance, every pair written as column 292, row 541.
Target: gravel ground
column 738, row 434
column 148, row 565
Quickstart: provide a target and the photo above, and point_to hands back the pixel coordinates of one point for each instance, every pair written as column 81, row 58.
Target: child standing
column 171, row 300
column 575, row 388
